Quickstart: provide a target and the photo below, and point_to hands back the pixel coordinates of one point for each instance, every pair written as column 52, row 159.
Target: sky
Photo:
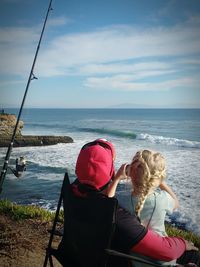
column 101, row 53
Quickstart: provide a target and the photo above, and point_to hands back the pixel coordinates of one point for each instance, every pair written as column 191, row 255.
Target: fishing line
column 31, row 77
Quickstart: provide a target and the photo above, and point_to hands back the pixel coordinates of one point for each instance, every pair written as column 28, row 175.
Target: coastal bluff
column 7, row 125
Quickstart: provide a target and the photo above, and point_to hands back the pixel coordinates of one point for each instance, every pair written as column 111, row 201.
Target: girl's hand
column 121, row 173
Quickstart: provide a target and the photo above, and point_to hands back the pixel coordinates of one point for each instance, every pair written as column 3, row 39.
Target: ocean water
column 173, row 132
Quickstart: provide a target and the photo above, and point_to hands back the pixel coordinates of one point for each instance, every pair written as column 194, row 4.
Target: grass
column 21, row 212
column 188, row 235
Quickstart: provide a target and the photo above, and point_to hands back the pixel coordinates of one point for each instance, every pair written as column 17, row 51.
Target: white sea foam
column 182, row 162
column 168, row 140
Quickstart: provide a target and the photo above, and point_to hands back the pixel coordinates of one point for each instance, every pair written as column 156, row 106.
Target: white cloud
column 107, row 51
column 59, row 21
column 117, row 44
column 127, row 83
column 18, row 35
column 18, row 46
column 190, row 61
column 4, row 84
column 152, row 66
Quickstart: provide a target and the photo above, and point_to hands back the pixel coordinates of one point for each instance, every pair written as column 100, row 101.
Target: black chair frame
column 50, row 251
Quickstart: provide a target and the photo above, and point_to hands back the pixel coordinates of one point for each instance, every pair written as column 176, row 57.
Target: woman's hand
column 190, row 245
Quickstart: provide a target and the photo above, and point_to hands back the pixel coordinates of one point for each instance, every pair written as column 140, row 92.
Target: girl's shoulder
column 165, row 199
column 160, row 196
column 161, row 193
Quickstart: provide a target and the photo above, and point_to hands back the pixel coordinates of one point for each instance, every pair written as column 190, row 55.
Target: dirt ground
column 23, row 243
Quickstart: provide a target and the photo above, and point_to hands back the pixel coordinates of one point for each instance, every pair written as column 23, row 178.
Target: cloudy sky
column 101, row 53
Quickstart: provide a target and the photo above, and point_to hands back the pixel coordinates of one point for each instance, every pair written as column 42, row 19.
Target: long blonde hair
column 147, row 168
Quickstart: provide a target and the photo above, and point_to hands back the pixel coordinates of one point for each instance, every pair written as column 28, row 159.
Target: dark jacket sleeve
column 128, row 232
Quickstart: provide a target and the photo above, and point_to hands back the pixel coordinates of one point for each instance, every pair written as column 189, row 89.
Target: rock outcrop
column 7, row 125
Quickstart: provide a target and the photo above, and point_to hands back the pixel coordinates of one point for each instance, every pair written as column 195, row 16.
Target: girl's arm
column 168, row 189
column 121, row 174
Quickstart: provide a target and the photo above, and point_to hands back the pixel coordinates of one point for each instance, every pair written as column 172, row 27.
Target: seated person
column 95, row 170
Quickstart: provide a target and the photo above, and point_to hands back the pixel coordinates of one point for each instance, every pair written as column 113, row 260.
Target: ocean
column 173, row 132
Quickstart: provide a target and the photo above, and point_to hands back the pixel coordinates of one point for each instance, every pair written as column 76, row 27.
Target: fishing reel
column 20, row 167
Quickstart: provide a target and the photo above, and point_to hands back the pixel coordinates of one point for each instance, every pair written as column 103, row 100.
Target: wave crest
column 168, row 140
column 126, row 134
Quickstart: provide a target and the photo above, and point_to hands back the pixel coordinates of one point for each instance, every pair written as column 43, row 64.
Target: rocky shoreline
column 32, row 140
column 7, row 124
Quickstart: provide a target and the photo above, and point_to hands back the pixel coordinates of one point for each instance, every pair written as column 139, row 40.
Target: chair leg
column 46, row 259
column 48, row 255
column 50, row 261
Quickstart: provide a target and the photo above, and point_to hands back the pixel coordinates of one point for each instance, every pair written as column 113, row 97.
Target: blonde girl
column 147, row 172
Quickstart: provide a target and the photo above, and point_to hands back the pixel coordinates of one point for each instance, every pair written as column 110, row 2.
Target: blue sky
column 99, row 54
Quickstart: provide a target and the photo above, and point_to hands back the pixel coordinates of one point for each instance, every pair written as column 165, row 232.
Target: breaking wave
column 125, row 134
column 170, row 141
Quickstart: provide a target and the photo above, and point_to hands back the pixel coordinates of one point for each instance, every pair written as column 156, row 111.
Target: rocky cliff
column 7, row 125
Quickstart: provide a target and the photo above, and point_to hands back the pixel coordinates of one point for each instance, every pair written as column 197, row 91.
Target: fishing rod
column 31, row 77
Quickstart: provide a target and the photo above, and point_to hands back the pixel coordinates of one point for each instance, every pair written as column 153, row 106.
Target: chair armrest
column 134, row 258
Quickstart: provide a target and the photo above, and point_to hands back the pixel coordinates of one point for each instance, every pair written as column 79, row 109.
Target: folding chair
column 86, row 232
column 89, row 225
